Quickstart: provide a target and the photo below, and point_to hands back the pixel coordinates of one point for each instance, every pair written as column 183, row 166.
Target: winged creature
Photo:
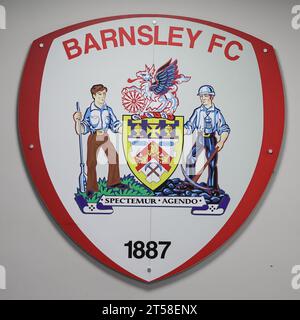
column 160, row 86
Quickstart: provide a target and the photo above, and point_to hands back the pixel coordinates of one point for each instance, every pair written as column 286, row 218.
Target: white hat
column 206, row 89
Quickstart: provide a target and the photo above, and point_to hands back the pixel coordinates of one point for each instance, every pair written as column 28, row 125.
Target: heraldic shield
column 152, row 148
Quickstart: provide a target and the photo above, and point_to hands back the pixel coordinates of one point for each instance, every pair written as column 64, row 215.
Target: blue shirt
column 102, row 118
column 207, row 120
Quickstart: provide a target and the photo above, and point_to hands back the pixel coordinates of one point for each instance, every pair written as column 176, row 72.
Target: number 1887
column 139, row 249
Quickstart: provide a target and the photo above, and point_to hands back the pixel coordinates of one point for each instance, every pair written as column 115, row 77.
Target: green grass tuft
column 135, row 189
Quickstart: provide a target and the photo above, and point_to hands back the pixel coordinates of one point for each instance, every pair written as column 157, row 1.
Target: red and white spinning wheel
column 133, row 101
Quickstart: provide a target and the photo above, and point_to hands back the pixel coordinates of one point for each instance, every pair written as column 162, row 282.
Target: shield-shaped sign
column 150, row 137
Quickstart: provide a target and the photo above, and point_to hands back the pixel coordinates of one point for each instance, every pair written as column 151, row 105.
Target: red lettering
column 228, row 47
column 130, row 37
column 145, row 35
column 72, row 45
column 193, row 37
column 90, row 43
column 214, row 43
column 173, row 35
column 156, row 37
column 108, row 35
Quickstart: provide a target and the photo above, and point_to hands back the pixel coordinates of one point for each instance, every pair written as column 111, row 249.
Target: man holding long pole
column 97, row 120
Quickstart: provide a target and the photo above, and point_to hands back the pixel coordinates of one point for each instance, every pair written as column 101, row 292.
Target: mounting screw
column 31, row 146
column 270, row 151
column 154, row 22
column 265, row 50
column 41, row 45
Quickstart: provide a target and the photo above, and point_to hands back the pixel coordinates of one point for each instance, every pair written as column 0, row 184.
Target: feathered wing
column 165, row 78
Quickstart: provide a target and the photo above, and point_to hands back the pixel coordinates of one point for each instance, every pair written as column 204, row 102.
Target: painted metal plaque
column 150, row 138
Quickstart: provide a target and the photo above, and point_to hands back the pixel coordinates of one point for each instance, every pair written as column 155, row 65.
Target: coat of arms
column 153, row 139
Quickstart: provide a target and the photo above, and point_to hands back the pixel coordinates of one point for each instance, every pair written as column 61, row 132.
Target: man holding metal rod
column 208, row 120
column 97, row 120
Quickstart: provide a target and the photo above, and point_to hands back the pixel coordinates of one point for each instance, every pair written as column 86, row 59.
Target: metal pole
column 82, row 175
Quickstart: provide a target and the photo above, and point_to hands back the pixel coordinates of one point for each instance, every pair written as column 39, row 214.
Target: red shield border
column 28, row 114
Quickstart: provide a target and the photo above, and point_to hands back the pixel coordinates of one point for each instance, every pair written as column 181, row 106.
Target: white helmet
column 206, row 89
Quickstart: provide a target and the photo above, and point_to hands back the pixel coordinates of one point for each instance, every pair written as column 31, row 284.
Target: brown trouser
column 94, row 143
